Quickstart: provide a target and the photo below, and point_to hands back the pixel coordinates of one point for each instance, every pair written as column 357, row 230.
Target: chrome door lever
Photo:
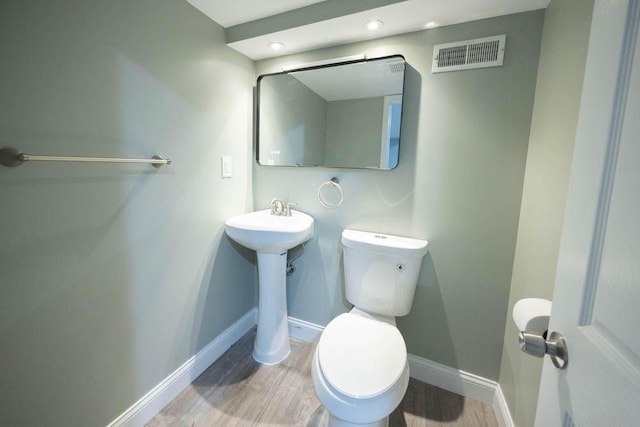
column 536, row 345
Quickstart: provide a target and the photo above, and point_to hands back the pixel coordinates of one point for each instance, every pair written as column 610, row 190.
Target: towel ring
column 334, row 183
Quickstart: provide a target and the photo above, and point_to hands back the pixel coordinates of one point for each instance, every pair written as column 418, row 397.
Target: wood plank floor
column 237, row 391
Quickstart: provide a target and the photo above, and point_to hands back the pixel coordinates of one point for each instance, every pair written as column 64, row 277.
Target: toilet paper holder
column 538, row 345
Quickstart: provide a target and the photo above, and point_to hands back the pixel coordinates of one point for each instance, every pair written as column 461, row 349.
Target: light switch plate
column 226, row 166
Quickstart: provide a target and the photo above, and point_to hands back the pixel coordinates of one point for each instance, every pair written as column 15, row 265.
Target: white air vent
column 396, row 67
column 468, row 54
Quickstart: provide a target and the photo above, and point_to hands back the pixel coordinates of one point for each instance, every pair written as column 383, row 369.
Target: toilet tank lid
column 384, row 243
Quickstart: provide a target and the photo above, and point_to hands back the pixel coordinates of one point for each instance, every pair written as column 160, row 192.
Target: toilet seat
column 361, row 357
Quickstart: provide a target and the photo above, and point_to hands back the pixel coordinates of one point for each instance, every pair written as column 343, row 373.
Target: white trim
column 460, row 382
column 501, row 409
column 385, row 142
column 303, row 330
column 151, row 403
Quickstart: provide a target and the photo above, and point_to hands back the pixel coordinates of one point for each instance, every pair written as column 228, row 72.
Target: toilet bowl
column 359, row 370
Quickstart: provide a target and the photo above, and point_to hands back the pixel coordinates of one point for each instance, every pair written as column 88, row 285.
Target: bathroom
column 114, row 276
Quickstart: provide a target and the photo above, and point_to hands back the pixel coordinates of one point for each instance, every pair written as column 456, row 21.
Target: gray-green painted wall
column 298, row 127
column 562, row 58
column 458, row 184
column 283, row 141
column 112, row 276
column 354, row 129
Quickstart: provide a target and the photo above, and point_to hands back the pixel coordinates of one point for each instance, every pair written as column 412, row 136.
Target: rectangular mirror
column 344, row 115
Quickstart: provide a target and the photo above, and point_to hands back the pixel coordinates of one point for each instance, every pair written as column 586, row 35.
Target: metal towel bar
column 11, row 157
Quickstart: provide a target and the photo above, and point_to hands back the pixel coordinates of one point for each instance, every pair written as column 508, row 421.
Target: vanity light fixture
column 276, row 45
column 374, row 25
column 431, row 24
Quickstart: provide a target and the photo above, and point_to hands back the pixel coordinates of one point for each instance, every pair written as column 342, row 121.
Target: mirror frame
column 316, row 66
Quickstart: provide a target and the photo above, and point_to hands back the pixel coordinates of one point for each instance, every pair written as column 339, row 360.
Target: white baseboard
column 454, row 380
column 460, row 382
column 501, row 409
column 303, row 330
column 151, row 403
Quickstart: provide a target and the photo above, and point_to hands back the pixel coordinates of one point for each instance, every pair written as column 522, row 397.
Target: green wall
column 555, row 113
column 458, row 185
column 282, row 140
column 354, row 129
column 112, row 276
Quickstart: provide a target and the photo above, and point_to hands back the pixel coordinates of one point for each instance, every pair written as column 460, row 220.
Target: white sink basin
column 268, row 233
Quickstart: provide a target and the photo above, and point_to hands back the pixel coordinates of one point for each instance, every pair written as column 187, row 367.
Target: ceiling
column 230, row 13
column 303, row 25
column 369, row 79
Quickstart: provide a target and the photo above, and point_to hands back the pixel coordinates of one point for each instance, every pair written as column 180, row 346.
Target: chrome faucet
column 287, row 210
column 277, row 207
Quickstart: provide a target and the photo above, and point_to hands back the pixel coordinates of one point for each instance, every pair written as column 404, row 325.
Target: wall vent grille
column 469, row 54
column 396, row 67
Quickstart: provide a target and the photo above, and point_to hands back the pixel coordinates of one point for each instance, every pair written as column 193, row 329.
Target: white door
column 596, row 302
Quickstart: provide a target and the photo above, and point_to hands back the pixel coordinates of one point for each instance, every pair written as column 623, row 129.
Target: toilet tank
column 381, row 271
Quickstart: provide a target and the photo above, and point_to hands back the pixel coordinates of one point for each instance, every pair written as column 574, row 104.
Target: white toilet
column 360, row 371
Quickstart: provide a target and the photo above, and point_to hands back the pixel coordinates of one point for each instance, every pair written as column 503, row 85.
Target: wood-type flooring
column 237, row 391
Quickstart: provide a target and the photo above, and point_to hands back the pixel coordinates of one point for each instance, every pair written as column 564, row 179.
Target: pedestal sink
column 271, row 236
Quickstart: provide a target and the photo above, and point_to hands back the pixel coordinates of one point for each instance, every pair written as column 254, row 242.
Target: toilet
column 359, row 370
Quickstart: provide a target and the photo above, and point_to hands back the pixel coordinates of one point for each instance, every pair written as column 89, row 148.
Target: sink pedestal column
column 272, row 339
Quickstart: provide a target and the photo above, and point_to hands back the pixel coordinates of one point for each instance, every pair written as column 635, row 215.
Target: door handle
column 536, row 345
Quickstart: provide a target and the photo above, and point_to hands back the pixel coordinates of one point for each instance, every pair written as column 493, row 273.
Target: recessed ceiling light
column 374, row 25
column 432, row 24
column 276, row 45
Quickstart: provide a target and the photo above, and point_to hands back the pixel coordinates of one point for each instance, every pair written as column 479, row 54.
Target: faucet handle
column 287, row 210
column 277, row 207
